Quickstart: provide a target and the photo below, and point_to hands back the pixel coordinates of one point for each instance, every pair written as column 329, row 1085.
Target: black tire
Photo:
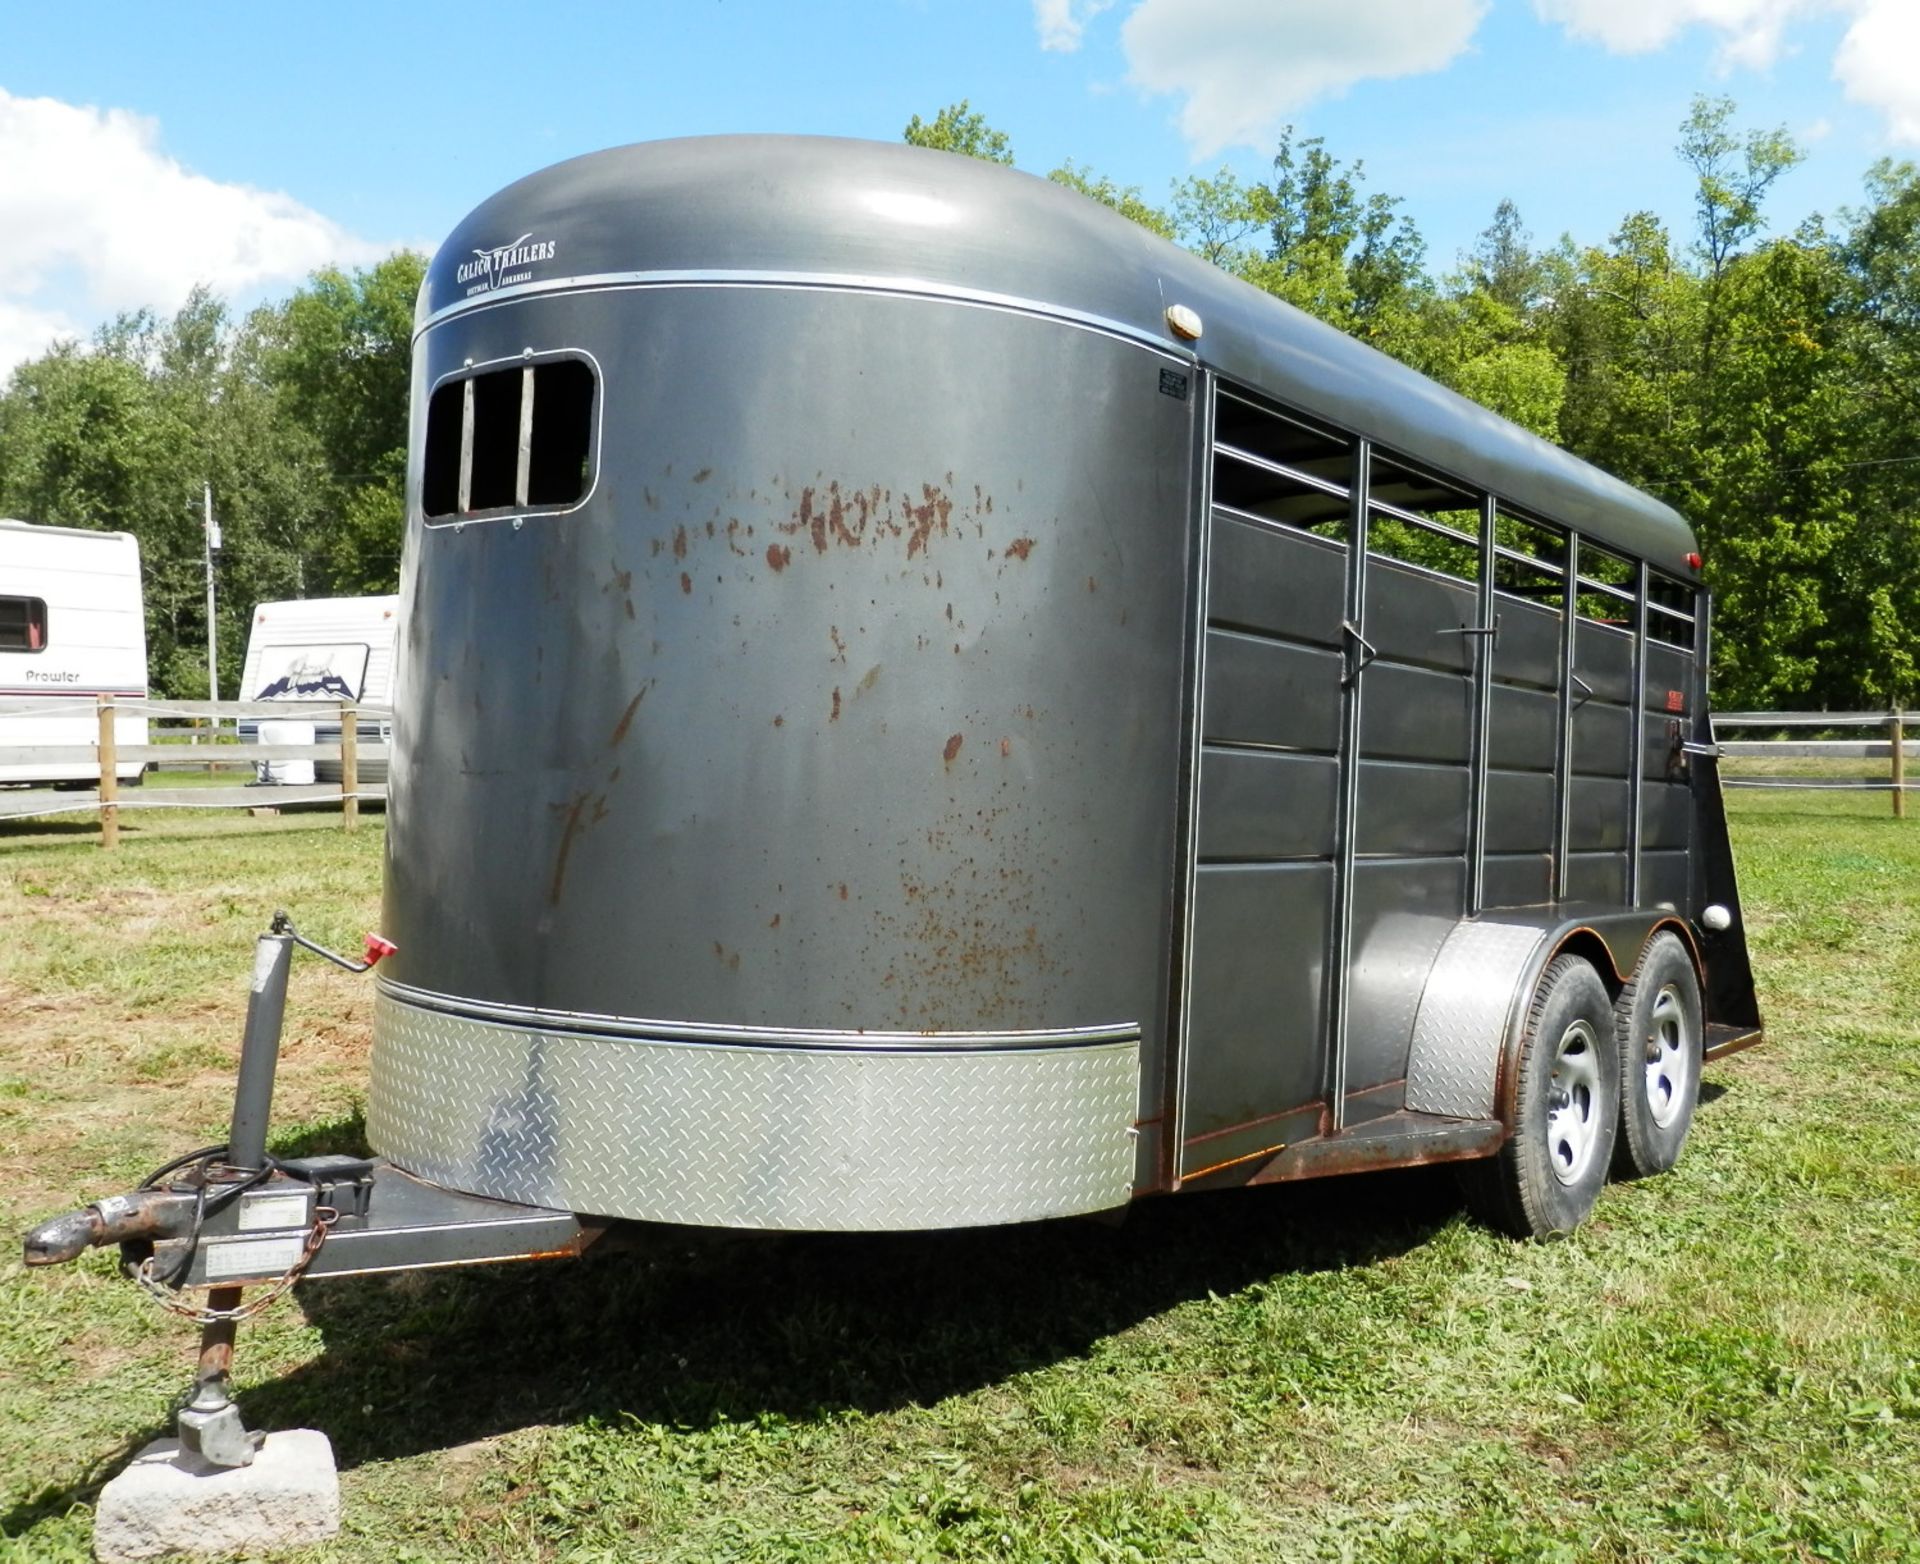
column 1566, row 1111
column 1657, row 1023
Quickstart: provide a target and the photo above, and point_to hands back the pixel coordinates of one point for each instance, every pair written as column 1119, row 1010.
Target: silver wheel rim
column 1573, row 1103
column 1669, row 1058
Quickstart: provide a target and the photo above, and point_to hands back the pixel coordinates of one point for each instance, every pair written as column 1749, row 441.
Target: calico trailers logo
column 503, row 265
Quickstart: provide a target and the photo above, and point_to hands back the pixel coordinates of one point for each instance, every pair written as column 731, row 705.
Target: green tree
column 1127, row 200
column 957, row 128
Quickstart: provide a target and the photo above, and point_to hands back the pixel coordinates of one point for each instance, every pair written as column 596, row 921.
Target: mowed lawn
column 1724, row 1364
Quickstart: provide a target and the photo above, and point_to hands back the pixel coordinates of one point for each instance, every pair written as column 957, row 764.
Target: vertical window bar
column 466, row 446
column 1636, row 781
column 1340, row 957
column 524, row 463
column 1484, row 644
column 1563, row 769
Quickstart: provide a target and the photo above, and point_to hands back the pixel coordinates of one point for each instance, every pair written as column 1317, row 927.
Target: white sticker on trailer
column 260, row 1213
column 254, row 1256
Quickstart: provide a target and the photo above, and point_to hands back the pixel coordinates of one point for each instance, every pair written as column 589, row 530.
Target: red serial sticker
column 1676, row 701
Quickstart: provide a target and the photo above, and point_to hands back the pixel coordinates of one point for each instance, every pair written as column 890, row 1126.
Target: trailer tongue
column 233, row 1217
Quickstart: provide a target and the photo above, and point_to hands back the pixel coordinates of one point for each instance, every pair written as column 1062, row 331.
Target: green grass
column 1724, row 1364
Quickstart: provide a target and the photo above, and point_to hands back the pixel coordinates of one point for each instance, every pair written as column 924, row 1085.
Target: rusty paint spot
column 1020, row 548
column 839, row 646
column 949, row 613
column 778, row 557
column 730, row 959
column 954, row 743
column 626, row 717
column 622, row 580
column 774, row 921
column 559, row 881
column 679, row 542
column 686, row 583
column 1006, row 747
column 834, row 716
column 1092, row 585
column 843, row 890
column 931, row 513
column 703, row 475
column 779, row 722
column 733, row 532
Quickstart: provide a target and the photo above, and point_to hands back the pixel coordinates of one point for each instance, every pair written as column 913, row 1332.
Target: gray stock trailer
column 923, row 705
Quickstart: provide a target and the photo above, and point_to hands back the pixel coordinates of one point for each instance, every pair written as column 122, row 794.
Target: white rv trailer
column 323, row 649
column 72, row 628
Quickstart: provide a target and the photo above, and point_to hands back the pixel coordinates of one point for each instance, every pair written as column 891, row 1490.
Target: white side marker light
column 1184, row 323
column 1717, row 918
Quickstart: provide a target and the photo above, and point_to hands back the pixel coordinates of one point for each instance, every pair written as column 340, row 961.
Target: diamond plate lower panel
column 1461, row 1027
column 763, row 1137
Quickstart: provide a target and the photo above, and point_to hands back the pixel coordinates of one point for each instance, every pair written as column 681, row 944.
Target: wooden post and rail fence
column 204, row 746
column 183, row 749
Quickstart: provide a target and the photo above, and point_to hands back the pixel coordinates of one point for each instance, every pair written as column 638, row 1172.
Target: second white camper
column 323, row 649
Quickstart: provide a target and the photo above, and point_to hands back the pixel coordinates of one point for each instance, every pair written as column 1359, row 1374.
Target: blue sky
column 142, row 149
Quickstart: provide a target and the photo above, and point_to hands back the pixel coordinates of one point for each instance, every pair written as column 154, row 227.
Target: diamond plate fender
column 1466, row 1011
column 795, row 1136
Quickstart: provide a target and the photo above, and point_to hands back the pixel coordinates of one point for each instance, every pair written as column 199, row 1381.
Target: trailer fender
column 1474, row 1000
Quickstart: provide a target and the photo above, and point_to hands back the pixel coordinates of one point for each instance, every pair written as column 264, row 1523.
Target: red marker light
column 1693, row 562
column 378, row 948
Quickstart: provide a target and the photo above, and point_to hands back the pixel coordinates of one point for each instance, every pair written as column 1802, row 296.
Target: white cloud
column 1061, row 23
column 1751, row 30
column 1875, row 64
column 1245, row 64
column 98, row 215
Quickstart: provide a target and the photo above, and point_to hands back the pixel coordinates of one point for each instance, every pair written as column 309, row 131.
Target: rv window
column 23, row 624
column 514, row 438
column 1279, row 469
column 1422, row 521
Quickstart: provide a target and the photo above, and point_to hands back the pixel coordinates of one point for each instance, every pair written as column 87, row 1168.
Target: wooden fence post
column 1899, row 753
column 109, row 776
column 350, row 766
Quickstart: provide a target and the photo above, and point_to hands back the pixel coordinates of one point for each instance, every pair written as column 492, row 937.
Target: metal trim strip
column 851, row 282
column 638, row 1029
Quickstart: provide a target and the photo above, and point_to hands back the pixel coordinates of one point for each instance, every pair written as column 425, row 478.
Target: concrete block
column 169, row 1503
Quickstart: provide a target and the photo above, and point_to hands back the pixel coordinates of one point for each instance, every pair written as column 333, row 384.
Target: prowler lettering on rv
column 920, row 704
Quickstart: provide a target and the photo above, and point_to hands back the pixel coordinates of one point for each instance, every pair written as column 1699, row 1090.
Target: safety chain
column 323, row 1219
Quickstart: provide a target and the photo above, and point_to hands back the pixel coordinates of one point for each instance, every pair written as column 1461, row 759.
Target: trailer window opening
column 1530, row 560
column 23, row 624
column 520, row 437
column 1277, row 469
column 1670, row 605
column 1420, row 520
column 1607, row 587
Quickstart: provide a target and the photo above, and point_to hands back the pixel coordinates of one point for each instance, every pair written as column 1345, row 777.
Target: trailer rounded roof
column 825, row 210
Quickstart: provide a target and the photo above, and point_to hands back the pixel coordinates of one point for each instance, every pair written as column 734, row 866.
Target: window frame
column 527, row 360
column 46, row 634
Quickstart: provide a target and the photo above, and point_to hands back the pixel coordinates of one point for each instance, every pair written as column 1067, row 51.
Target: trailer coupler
column 231, row 1217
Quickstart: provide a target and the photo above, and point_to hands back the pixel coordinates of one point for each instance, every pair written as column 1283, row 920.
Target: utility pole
column 212, row 539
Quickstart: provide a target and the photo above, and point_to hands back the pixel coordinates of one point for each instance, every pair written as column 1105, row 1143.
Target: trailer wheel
column 1566, row 1110
column 1657, row 1022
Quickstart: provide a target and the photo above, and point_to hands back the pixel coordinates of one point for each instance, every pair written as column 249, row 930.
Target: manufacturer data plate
column 253, row 1257
column 268, row 1210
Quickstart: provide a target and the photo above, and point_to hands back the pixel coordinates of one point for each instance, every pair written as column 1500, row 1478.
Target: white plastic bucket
column 288, row 773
